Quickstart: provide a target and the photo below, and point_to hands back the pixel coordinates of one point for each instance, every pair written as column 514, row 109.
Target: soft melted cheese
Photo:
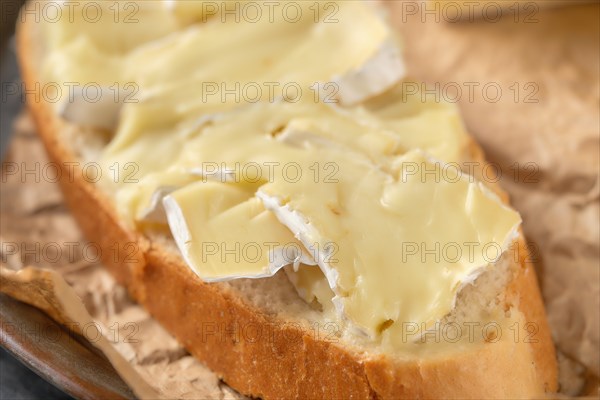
column 142, row 199
column 367, row 225
column 210, row 67
column 115, row 27
column 224, row 232
column 201, row 10
column 342, row 196
column 396, row 248
column 198, row 71
column 377, row 131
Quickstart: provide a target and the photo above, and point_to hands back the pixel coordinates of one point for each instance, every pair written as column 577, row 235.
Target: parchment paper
column 545, row 140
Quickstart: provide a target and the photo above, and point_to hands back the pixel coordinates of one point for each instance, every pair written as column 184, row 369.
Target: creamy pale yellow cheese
column 224, row 232
column 247, row 189
column 202, row 10
column 80, row 61
column 369, row 129
column 395, row 248
column 115, row 27
column 87, row 40
column 274, row 136
column 214, row 66
column 118, row 27
column 142, row 198
column 357, row 223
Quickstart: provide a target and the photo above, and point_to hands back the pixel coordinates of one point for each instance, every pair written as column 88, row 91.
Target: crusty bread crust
column 292, row 363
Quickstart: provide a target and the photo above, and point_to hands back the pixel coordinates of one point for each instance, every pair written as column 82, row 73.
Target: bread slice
column 260, row 337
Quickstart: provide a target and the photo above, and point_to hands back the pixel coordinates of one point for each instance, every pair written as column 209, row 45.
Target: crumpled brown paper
column 70, row 285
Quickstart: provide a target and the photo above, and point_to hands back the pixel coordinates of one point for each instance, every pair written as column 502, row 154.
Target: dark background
column 16, row 380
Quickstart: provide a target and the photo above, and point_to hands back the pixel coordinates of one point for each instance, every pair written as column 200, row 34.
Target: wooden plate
column 66, row 360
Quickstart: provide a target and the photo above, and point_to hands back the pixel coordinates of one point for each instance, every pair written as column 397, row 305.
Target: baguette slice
column 287, row 359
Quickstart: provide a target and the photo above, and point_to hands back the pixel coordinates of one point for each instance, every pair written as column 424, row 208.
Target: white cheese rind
column 379, row 73
column 100, row 111
column 181, row 235
column 154, row 212
column 202, row 215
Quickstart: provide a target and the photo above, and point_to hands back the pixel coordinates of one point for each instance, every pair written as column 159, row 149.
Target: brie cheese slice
column 378, row 74
column 217, row 66
column 224, row 233
column 141, row 201
column 396, row 249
